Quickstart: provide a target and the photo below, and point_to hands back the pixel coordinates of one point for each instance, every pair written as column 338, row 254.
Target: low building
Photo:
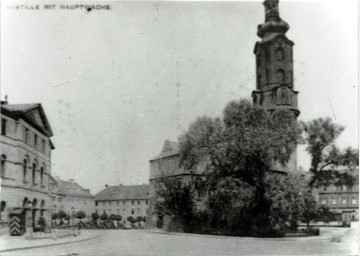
column 341, row 200
column 123, row 200
column 167, row 164
column 70, row 197
column 25, row 162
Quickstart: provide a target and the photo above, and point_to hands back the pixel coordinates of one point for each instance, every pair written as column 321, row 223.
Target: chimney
column 106, row 185
column 5, row 102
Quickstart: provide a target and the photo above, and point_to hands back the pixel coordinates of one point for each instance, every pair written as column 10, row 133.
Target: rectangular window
column 353, row 200
column 43, row 146
column 35, row 140
column 138, row 201
column 343, row 201
column 124, row 202
column 117, row 203
column 323, row 201
column 132, row 202
column 60, row 199
column 147, row 202
column 132, row 212
column 3, row 126
column 333, row 201
column 26, row 135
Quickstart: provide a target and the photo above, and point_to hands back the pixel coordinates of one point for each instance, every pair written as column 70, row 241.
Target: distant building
column 167, row 164
column 25, row 162
column 123, row 200
column 341, row 200
column 70, row 197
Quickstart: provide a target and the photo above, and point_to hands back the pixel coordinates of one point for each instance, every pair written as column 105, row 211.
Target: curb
column 46, row 245
column 239, row 237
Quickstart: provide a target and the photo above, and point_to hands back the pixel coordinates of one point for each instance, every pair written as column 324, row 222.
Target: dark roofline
column 21, row 114
column 159, row 157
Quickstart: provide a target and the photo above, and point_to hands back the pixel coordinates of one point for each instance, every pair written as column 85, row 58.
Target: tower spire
column 271, row 10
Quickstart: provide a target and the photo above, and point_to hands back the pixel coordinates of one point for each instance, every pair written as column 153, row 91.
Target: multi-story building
column 70, row 197
column 342, row 200
column 123, row 200
column 167, row 164
column 25, row 161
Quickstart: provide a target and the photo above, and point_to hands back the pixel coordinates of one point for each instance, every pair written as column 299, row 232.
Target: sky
column 115, row 84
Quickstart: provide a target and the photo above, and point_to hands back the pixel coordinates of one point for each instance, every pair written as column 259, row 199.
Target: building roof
column 32, row 113
column 122, row 192
column 71, row 188
column 170, row 148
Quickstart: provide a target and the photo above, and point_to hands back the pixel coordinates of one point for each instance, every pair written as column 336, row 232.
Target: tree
column 103, row 217
column 139, row 219
column 53, row 218
column 320, row 136
column 118, row 218
column 240, row 149
column 67, row 218
column 131, row 220
column 230, row 204
column 95, row 217
column 61, row 215
column 173, row 197
column 80, row 215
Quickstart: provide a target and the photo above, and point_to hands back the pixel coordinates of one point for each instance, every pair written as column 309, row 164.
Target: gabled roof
column 32, row 113
column 71, row 188
column 124, row 192
column 170, row 148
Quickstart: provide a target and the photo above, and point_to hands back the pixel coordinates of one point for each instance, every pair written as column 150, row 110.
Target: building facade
column 167, row 164
column 70, row 197
column 275, row 70
column 123, row 200
column 342, row 200
column 25, row 162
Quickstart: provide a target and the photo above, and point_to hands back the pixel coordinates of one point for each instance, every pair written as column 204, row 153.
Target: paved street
column 135, row 242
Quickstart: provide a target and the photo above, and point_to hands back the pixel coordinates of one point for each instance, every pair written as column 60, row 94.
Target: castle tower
column 274, row 68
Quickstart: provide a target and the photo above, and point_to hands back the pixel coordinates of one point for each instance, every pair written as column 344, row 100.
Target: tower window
column 267, row 75
column 280, row 75
column 280, row 55
column 267, row 55
column 258, row 60
column 258, row 81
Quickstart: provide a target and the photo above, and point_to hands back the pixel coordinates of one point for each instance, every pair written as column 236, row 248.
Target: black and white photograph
column 179, row 128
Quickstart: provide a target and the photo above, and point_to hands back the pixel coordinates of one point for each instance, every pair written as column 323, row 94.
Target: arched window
column 24, row 169
column 2, row 208
column 258, row 81
column 33, row 173
column 42, row 176
column 267, row 75
column 258, row 60
column 3, row 163
column 267, row 54
column 280, row 55
column 280, row 76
